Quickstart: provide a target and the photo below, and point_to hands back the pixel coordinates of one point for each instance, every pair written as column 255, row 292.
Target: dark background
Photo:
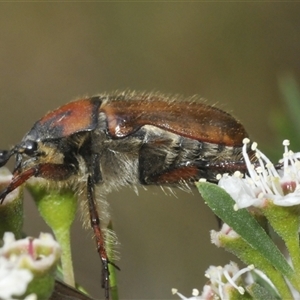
column 229, row 53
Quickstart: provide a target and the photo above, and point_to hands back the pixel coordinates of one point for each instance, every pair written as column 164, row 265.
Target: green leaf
column 260, row 293
column 244, row 224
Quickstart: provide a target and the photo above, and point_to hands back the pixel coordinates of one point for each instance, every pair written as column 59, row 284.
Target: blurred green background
column 229, row 53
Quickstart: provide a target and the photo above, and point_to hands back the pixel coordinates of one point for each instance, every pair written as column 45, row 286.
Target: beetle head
column 26, row 147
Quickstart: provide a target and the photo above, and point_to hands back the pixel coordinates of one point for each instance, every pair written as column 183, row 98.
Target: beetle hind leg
column 193, row 171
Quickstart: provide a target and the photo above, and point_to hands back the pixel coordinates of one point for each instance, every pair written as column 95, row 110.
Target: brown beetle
column 109, row 141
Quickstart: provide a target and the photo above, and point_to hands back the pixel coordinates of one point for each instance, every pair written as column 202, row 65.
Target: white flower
column 18, row 258
column 13, row 280
column 225, row 231
column 265, row 182
column 30, row 252
column 224, row 279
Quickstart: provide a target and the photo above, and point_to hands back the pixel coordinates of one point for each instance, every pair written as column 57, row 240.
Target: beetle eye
column 30, row 147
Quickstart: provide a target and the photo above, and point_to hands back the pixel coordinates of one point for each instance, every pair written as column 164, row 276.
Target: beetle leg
column 99, row 236
column 47, row 171
column 228, row 166
column 173, row 175
column 194, row 171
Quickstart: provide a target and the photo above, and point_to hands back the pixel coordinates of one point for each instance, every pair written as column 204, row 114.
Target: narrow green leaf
column 244, row 224
column 260, row 293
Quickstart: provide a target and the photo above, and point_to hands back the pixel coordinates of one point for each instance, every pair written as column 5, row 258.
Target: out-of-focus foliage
column 286, row 122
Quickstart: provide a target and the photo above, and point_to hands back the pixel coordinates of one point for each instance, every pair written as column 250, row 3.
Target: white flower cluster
column 18, row 258
column 222, row 282
column 13, row 279
column 265, row 182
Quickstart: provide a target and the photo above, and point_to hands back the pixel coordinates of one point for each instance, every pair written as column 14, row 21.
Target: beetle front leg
column 47, row 171
column 99, row 236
